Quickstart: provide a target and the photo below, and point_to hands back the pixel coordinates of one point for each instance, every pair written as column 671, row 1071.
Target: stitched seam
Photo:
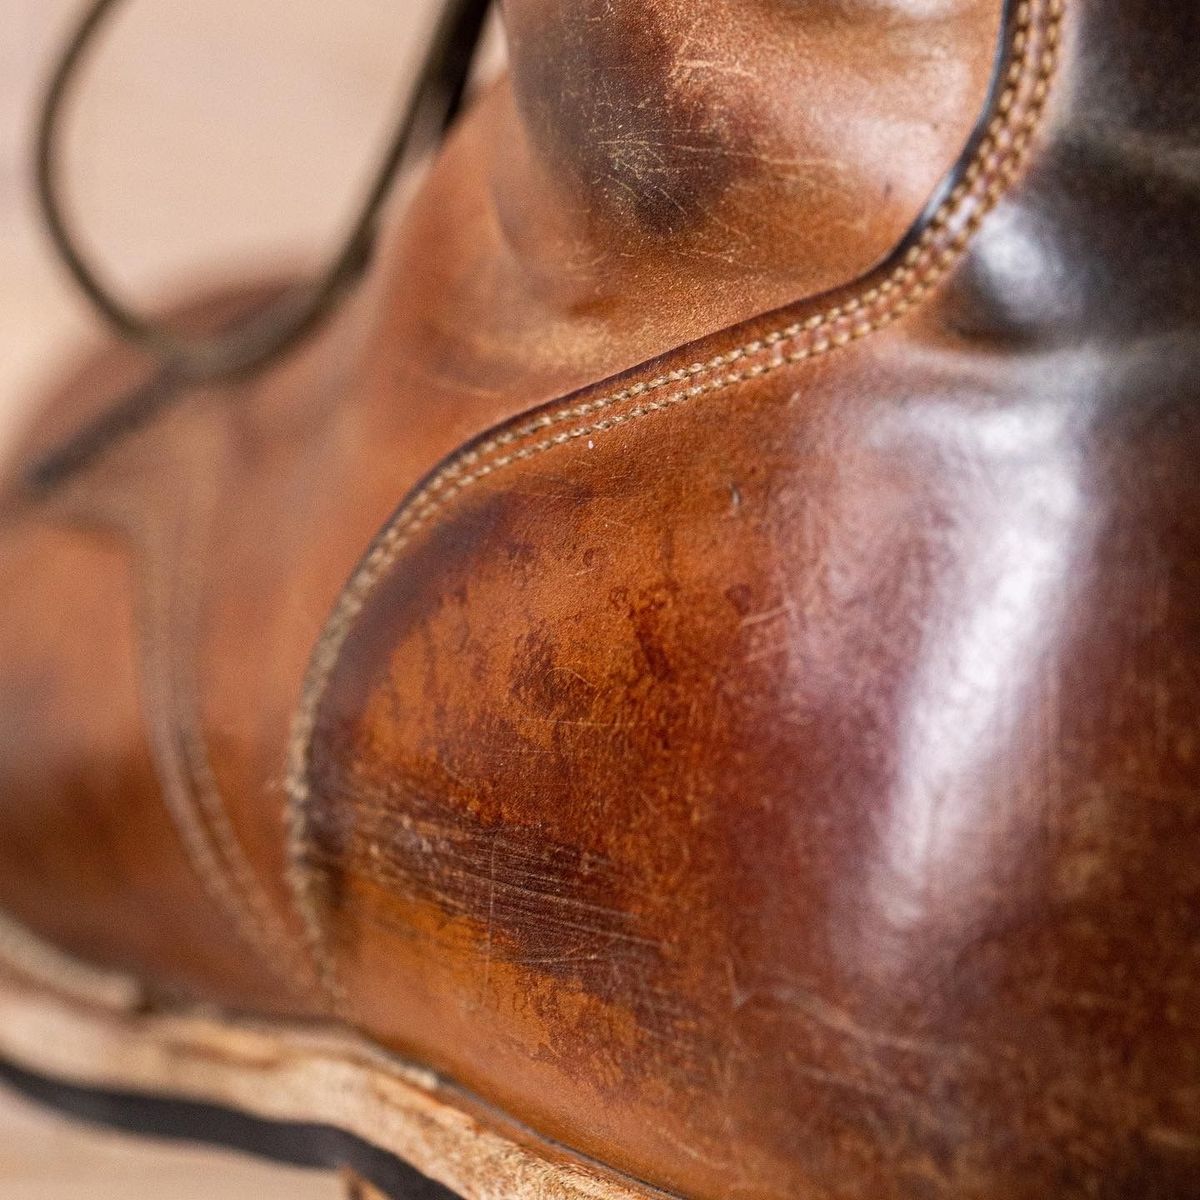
column 991, row 172
column 253, row 912
column 845, row 322
column 188, row 789
column 830, row 330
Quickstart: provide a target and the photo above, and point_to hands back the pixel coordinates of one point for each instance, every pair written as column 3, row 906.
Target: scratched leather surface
column 787, row 792
column 286, row 479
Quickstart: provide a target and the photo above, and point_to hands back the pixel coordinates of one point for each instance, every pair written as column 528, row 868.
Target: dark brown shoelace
column 251, row 343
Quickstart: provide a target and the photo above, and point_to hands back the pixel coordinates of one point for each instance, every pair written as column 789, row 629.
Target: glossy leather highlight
column 769, row 770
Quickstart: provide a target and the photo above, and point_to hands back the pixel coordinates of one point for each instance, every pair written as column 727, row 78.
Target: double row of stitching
column 165, row 617
column 886, row 297
column 995, row 164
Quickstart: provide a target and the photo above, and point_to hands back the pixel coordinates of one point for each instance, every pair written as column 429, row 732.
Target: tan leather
column 769, row 770
column 309, row 460
column 659, row 169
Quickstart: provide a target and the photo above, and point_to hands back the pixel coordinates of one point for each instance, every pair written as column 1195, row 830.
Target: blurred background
column 205, row 135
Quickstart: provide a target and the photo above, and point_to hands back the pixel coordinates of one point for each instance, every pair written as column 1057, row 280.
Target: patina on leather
column 449, row 335
column 770, row 770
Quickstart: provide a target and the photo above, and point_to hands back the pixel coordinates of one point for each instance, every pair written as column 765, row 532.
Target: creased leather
column 789, row 792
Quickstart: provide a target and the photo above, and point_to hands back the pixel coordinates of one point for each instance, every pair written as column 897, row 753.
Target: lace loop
column 435, row 100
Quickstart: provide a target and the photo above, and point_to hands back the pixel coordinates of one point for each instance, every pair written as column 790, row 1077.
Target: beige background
column 207, row 133
column 204, row 134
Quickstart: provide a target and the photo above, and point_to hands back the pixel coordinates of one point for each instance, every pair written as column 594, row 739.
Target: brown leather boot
column 754, row 752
